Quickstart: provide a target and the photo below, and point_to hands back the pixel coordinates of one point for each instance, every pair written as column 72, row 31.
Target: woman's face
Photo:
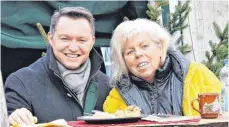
column 142, row 56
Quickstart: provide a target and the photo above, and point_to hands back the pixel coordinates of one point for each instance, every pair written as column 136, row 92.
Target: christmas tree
column 176, row 20
column 219, row 51
column 155, row 10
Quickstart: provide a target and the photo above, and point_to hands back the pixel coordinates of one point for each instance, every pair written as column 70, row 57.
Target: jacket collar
column 180, row 64
column 161, row 73
column 175, row 61
column 96, row 61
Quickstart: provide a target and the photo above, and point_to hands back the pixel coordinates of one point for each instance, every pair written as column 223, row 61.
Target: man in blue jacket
column 66, row 83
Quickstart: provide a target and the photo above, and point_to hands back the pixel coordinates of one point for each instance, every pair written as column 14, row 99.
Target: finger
column 28, row 117
column 35, row 120
column 15, row 117
column 11, row 120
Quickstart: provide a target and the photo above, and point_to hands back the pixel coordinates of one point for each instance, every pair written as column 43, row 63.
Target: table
column 221, row 121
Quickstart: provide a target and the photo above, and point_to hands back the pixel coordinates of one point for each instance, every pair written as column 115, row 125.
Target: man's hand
column 22, row 116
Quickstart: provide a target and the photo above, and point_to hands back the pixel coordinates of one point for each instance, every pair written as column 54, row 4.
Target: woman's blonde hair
column 125, row 31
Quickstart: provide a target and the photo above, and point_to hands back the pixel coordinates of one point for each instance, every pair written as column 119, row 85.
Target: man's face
column 72, row 41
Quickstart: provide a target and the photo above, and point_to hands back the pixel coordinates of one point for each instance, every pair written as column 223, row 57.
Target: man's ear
column 93, row 42
column 50, row 38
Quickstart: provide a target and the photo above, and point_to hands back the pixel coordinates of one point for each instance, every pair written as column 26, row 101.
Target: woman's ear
column 50, row 37
column 161, row 44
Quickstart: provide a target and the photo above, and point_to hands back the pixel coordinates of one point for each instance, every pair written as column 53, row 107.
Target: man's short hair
column 72, row 12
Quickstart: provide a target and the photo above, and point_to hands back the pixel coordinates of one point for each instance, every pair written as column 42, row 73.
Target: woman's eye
column 130, row 52
column 145, row 46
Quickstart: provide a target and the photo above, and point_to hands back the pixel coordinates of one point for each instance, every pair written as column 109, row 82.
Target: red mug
column 209, row 106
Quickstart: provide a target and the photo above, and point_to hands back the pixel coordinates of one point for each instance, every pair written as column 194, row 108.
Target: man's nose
column 74, row 46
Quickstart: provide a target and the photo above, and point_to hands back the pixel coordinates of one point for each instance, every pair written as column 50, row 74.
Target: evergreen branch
column 185, row 6
column 43, row 54
column 157, row 4
column 225, row 42
column 207, row 54
column 184, row 26
column 168, row 26
column 185, row 48
column 172, row 31
column 150, row 7
column 177, row 9
column 218, row 31
column 222, row 52
column 163, row 2
column 204, row 62
column 174, row 17
column 158, row 13
column 125, row 18
column 211, row 44
column 186, row 14
column 43, row 33
column 169, row 19
column 225, row 31
column 179, row 3
column 226, row 37
column 219, row 44
column 212, row 57
column 179, row 39
column 149, row 14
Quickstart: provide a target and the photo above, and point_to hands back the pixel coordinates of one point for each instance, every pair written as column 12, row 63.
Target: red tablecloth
column 140, row 122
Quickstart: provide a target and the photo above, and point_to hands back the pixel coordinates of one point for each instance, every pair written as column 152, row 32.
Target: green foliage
column 154, row 12
column 176, row 20
column 125, row 18
column 185, row 48
column 43, row 34
column 219, row 51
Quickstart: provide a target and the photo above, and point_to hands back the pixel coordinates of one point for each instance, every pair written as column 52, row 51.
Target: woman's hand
column 22, row 116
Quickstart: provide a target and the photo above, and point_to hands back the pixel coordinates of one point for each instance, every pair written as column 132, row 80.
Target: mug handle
column 193, row 104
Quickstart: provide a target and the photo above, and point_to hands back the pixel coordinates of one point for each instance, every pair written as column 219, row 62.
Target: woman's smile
column 142, row 65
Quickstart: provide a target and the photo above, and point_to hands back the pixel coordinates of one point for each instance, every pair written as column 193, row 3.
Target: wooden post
column 3, row 111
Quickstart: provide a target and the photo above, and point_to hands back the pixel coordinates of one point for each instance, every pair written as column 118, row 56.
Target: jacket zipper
column 73, row 93
column 70, row 91
column 173, row 99
column 88, row 85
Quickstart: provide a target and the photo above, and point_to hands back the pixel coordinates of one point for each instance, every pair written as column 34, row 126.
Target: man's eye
column 82, row 40
column 64, row 39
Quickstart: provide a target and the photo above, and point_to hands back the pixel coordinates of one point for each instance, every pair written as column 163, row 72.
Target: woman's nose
column 138, row 53
column 73, row 46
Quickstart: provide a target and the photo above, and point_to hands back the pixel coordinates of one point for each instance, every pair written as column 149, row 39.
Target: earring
column 161, row 63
